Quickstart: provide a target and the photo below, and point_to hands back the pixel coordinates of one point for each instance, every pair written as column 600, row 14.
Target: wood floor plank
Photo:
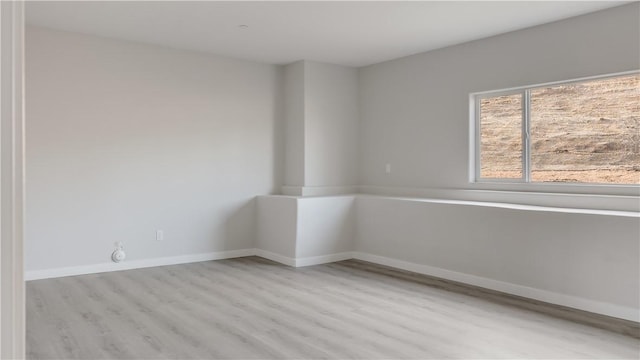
column 252, row 308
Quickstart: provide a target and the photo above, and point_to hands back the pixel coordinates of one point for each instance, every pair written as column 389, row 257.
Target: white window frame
column 525, row 183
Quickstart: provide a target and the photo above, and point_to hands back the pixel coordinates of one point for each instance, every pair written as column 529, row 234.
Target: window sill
column 612, row 204
column 559, row 188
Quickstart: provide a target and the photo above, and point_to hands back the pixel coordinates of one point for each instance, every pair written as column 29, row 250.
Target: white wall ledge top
column 509, row 206
column 619, row 205
column 610, row 205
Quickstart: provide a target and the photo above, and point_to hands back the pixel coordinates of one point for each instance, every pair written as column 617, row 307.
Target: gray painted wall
column 584, row 256
column 415, row 110
column 126, row 138
column 415, row 115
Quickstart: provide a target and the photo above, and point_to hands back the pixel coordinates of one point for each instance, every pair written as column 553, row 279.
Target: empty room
column 320, row 180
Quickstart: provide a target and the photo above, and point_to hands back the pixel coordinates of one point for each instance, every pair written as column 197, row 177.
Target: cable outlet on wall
column 118, row 254
column 159, row 235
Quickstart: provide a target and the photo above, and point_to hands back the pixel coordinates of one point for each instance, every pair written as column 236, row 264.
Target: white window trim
column 524, row 184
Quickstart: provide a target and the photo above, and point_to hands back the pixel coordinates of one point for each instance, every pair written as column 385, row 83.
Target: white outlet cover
column 118, row 256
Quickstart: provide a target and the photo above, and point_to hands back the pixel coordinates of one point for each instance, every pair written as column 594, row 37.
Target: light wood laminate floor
column 252, row 308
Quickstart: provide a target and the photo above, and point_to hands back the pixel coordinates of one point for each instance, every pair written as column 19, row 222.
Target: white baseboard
column 285, row 260
column 323, row 259
column 182, row 259
column 593, row 306
column 306, row 261
column 135, row 264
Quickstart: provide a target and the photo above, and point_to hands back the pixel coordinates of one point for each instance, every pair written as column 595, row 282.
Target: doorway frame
column 12, row 184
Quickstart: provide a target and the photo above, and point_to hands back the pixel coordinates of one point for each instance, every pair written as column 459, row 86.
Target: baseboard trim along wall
column 183, row 259
column 135, row 264
column 306, row 261
column 285, row 260
column 324, row 259
column 592, row 306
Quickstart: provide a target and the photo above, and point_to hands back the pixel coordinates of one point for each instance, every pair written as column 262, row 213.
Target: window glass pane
column 586, row 132
column 501, row 137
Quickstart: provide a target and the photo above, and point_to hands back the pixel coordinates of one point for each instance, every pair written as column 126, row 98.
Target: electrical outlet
column 159, row 235
column 387, row 168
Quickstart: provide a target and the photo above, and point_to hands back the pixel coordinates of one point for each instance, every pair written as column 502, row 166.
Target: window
column 584, row 131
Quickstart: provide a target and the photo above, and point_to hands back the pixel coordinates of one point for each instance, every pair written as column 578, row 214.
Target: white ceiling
column 354, row 33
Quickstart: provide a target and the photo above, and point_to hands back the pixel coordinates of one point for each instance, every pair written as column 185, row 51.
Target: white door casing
column 12, row 126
